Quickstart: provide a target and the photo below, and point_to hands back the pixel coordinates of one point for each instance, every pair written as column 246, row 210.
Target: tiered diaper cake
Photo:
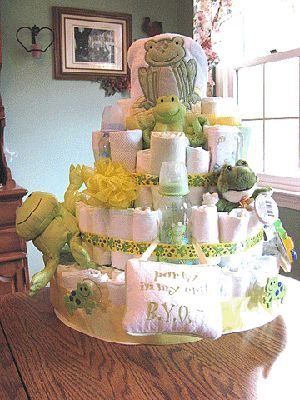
column 172, row 225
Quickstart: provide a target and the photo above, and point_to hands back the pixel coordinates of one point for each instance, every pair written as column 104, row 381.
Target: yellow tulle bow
column 109, row 185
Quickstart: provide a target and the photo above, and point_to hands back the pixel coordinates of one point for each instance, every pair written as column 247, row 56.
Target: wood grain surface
column 56, row 362
column 11, row 386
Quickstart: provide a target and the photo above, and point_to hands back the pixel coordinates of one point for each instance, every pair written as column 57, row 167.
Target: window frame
column 286, row 189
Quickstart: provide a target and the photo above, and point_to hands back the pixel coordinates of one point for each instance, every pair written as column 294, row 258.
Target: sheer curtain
column 232, row 31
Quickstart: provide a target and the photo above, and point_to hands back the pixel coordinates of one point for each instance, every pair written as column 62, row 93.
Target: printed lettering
column 151, row 310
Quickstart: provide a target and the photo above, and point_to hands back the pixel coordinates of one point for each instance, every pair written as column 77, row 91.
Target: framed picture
column 90, row 44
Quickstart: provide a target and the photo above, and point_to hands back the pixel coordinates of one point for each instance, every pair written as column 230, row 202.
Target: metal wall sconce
column 35, row 48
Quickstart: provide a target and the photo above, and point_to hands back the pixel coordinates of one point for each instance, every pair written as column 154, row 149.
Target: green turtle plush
column 50, row 226
column 236, row 184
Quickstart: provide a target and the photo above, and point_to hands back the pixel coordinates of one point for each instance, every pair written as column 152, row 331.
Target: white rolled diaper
column 143, row 166
column 144, row 225
column 167, row 146
column 197, row 162
column 120, row 227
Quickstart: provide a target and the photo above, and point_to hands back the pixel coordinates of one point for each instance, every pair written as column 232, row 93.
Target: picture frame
column 90, row 45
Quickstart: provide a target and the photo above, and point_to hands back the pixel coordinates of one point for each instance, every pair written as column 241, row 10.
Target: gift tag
column 266, row 209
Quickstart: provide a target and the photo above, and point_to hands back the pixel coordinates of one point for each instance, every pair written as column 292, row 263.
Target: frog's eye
column 161, row 100
column 172, row 99
column 177, row 43
column 229, row 168
column 242, row 163
column 150, row 47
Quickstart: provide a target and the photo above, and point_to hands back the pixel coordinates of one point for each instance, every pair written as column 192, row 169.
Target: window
column 267, row 88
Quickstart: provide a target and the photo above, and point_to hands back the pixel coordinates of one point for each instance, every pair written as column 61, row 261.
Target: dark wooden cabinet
column 13, row 259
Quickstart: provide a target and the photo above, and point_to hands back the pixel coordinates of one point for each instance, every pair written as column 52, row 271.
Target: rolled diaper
column 84, row 215
column 205, row 227
column 156, row 197
column 97, row 136
column 143, row 166
column 143, row 161
column 100, row 225
column 120, row 227
column 94, row 220
column 233, row 227
column 197, row 163
column 144, row 225
column 205, row 224
column 211, row 105
column 124, row 146
column 252, row 274
column 167, row 146
column 116, row 290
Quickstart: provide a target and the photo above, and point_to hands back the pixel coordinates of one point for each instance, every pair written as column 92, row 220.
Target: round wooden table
column 40, row 358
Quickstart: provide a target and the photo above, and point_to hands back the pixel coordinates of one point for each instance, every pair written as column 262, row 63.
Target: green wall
column 49, row 122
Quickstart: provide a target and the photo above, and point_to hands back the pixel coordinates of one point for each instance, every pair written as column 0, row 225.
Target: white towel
column 167, row 146
column 197, row 163
column 224, row 144
column 144, row 225
column 120, row 227
column 192, row 50
column 124, row 146
column 143, row 166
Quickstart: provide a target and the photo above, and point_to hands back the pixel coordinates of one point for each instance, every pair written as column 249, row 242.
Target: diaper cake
column 168, row 238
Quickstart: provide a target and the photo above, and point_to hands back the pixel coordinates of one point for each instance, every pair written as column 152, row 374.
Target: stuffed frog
column 167, row 115
column 168, row 54
column 50, row 226
column 236, row 186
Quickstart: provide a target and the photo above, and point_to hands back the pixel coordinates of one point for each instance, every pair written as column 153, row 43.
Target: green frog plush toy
column 236, row 186
column 168, row 115
column 50, row 226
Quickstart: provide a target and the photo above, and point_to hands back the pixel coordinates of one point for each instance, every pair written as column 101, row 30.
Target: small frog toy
column 80, row 298
column 168, row 115
column 274, row 290
column 234, row 184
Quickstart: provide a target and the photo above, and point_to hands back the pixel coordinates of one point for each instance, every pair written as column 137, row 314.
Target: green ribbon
column 185, row 252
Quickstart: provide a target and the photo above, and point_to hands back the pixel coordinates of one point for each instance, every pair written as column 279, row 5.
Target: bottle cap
column 173, row 179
